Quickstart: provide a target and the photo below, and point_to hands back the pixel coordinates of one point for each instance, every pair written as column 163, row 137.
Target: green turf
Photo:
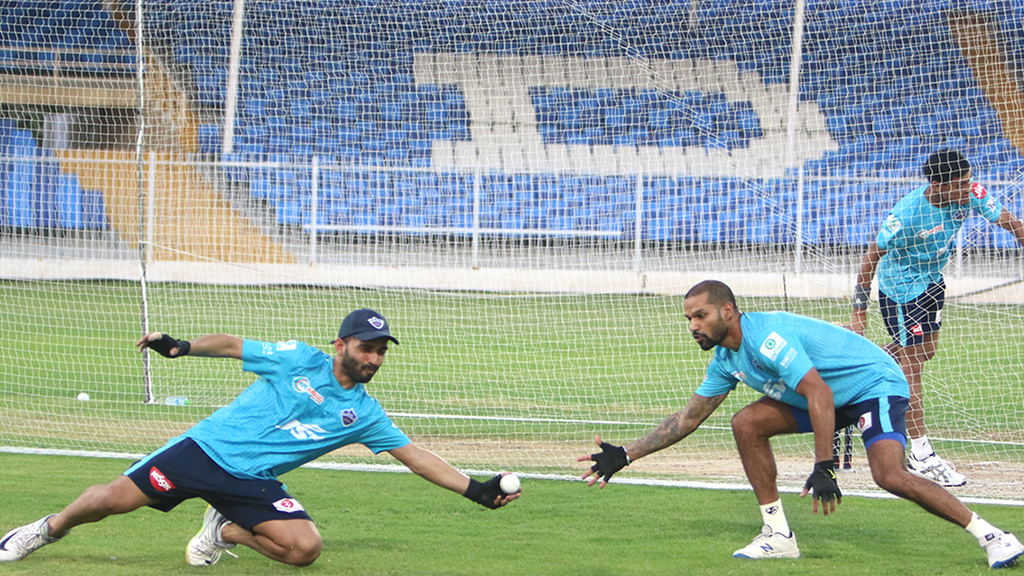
column 398, row 524
column 560, row 358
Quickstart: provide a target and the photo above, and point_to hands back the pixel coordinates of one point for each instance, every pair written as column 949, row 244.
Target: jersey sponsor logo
column 288, row 505
column 302, row 386
column 285, row 346
column 303, row 431
column 772, row 345
column 893, row 224
column 979, row 191
column 865, row 421
column 774, row 389
column 159, row 480
column 960, row 214
column 788, row 358
column 916, row 330
column 926, row 233
column 348, row 417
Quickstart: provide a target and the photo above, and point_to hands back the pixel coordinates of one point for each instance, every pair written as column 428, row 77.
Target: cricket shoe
column 204, row 548
column 23, row 541
column 1003, row 549
column 769, row 544
column 937, row 470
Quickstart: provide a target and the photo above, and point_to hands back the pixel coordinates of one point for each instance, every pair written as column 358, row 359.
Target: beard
column 356, row 372
column 717, row 333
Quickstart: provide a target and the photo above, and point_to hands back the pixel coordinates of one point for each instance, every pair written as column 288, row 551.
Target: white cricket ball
column 83, row 397
column 510, row 484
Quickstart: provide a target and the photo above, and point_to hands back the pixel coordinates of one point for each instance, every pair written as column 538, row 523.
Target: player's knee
column 305, row 552
column 743, row 426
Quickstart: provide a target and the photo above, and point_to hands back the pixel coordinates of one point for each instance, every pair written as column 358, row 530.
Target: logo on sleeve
column 916, row 330
column 159, row 480
column 991, row 203
column 284, row 346
column 772, row 346
column 865, row 421
column 979, row 191
column 739, row 375
column 348, row 417
column 268, row 349
column 288, row 505
column 893, row 224
column 788, row 358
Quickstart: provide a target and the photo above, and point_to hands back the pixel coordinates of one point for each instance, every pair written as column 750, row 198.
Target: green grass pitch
column 398, row 524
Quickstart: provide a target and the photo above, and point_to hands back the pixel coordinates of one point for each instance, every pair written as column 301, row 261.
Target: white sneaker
column 1003, row 550
column 937, row 470
column 23, row 541
column 769, row 544
column 205, row 547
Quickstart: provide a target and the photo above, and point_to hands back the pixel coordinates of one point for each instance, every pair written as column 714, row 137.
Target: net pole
column 314, row 192
column 231, row 96
column 144, row 193
column 795, row 63
column 638, row 222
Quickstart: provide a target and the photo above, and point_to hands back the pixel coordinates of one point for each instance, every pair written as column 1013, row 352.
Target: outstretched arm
column 675, row 427
column 433, row 468
column 611, row 459
column 1008, row 221
column 212, row 346
column 862, row 288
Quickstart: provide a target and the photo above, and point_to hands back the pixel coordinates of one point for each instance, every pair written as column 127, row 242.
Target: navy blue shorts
column 182, row 470
column 908, row 323
column 877, row 419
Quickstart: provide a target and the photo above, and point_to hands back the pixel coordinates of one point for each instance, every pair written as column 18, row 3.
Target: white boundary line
column 394, row 468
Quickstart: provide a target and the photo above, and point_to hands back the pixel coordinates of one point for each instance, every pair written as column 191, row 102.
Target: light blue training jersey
column 778, row 349
column 295, row 412
column 917, row 238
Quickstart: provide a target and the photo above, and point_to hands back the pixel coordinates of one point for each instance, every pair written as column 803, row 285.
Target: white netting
column 523, row 188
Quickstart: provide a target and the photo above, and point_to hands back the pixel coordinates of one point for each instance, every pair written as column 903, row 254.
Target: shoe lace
column 27, row 539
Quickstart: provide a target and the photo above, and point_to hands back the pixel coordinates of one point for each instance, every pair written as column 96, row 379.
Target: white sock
column 921, row 448
column 775, row 518
column 980, row 529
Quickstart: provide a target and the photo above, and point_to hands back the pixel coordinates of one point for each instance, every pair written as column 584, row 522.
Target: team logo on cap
column 348, row 417
column 376, row 322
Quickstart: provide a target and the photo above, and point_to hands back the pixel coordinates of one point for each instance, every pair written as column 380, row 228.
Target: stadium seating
column 337, row 80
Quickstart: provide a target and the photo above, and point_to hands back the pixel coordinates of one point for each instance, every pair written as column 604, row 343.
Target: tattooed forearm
column 675, row 427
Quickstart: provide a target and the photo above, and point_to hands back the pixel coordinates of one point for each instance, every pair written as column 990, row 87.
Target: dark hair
column 718, row 293
column 945, row 166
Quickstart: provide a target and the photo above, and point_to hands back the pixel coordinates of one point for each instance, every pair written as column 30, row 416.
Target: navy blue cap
column 365, row 324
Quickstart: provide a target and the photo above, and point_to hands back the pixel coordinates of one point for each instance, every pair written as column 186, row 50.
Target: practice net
column 524, row 189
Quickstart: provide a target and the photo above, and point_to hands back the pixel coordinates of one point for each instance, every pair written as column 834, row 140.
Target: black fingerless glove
column 485, row 493
column 610, row 460
column 822, row 482
column 164, row 345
